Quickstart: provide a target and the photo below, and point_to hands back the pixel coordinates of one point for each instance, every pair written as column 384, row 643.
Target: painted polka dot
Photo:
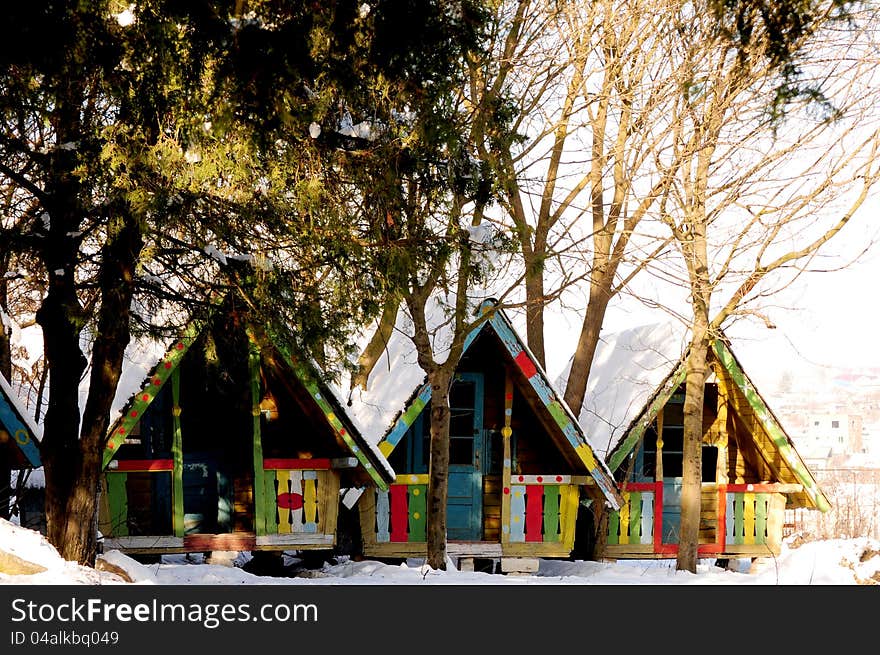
column 167, row 364
column 505, row 529
column 414, row 478
column 342, row 431
column 540, row 479
column 121, row 430
column 355, row 450
column 518, row 494
column 508, row 396
column 317, row 396
column 145, row 397
column 134, row 413
column 521, row 478
column 416, row 492
column 157, row 381
column 416, row 515
column 179, row 346
column 506, row 491
column 559, row 478
column 516, row 519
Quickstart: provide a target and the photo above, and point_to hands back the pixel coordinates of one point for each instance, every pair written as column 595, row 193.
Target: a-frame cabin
column 229, row 443
column 751, row 469
column 520, row 467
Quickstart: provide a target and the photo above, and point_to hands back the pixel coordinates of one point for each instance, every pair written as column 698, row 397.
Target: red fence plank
column 144, row 465
column 295, row 464
column 399, row 512
column 534, row 512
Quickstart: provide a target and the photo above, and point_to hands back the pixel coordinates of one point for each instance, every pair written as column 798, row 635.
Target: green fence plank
column 117, row 503
column 613, row 527
column 418, row 509
column 551, row 514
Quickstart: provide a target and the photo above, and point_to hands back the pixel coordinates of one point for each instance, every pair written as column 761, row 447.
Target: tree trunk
column 439, row 469
column 534, row 278
column 588, row 341
column 5, row 371
column 692, row 468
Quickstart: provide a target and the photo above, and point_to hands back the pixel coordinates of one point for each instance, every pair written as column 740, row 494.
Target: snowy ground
column 831, row 562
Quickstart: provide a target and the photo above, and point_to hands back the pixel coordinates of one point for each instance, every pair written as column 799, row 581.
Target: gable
column 548, row 402
column 21, row 432
column 315, row 400
column 771, row 440
column 774, row 451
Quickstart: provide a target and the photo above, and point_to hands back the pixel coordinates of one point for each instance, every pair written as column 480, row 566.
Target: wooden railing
column 300, row 502
column 401, row 512
column 535, row 510
column 634, row 522
column 301, row 497
column 539, row 509
column 743, row 518
column 119, row 517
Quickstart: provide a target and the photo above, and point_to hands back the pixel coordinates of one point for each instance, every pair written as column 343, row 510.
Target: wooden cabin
column 19, row 441
column 519, row 464
column 229, row 443
column 751, row 471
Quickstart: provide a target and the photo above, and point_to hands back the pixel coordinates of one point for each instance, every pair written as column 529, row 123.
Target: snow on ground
column 830, row 562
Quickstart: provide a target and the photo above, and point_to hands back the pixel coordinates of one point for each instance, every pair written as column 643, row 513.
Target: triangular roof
column 147, row 368
column 771, row 440
column 397, row 391
column 24, row 431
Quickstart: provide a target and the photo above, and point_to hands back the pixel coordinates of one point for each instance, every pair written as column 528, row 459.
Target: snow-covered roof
column 632, row 368
column 628, row 367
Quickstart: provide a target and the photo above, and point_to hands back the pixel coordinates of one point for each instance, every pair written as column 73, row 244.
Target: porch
column 537, row 519
column 289, row 504
column 736, row 520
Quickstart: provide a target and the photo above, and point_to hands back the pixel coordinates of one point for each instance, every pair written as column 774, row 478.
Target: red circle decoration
column 121, row 430
column 157, row 381
column 145, row 397
column 290, row 501
column 559, row 478
column 540, row 479
column 521, row 478
column 167, row 364
column 134, row 413
column 342, row 431
column 179, row 346
column 506, row 491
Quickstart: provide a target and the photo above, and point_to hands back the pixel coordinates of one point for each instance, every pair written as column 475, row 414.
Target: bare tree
column 758, row 194
column 591, row 93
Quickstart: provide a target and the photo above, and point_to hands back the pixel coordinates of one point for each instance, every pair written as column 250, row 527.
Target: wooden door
column 465, row 493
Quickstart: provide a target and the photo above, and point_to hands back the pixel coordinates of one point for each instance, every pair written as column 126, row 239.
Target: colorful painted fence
column 747, row 516
column 132, row 487
column 401, row 512
column 634, row 523
column 539, row 509
column 300, row 497
column 747, row 520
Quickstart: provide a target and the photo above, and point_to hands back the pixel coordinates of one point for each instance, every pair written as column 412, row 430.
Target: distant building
column 832, row 435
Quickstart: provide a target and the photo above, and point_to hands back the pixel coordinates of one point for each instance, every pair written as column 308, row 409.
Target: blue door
column 464, row 513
